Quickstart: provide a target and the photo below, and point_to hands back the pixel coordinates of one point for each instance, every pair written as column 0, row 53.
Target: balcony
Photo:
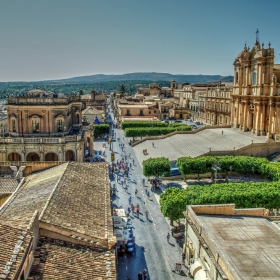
column 37, row 140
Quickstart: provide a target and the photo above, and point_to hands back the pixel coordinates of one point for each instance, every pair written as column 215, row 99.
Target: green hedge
column 243, row 195
column 100, row 129
column 133, row 124
column 238, row 164
column 153, row 131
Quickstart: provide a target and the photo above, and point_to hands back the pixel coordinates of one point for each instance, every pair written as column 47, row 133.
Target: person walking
column 153, row 144
column 136, row 192
column 147, row 213
column 132, row 208
column 145, row 274
column 168, row 237
column 130, row 200
column 138, row 212
column 140, row 276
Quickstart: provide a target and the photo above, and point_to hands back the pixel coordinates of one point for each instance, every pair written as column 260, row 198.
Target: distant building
column 215, row 104
column 95, row 100
column 44, row 126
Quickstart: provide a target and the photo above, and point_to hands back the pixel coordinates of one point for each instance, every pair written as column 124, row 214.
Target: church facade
column 256, row 92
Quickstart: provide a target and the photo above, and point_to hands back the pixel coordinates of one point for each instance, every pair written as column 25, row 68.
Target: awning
column 194, row 268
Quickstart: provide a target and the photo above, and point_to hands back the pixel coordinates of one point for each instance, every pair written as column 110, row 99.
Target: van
column 174, row 171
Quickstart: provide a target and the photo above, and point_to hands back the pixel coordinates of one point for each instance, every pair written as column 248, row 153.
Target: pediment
column 35, row 116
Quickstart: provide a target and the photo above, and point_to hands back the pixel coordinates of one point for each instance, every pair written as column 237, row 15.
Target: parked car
column 197, row 123
column 194, row 126
column 174, row 171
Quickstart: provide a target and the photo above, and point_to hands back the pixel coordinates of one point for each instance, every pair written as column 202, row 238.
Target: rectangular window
column 221, row 119
column 149, row 112
column 14, row 125
column 128, row 112
column 254, row 78
column 59, row 126
column 141, row 113
column 35, row 127
column 155, row 112
column 226, row 120
column 226, row 107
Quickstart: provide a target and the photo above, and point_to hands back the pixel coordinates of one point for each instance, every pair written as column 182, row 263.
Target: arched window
column 14, row 125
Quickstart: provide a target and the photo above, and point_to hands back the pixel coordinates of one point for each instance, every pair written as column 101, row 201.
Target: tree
column 156, row 167
column 81, row 92
column 122, row 90
column 173, row 203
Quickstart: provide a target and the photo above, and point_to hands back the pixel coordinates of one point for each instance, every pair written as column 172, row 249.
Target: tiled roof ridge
column 12, row 197
column 2, row 223
column 48, row 201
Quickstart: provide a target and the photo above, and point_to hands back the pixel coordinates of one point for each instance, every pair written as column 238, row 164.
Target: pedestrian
column 145, row 274
column 130, row 200
column 140, row 277
column 133, row 161
column 136, row 192
column 130, row 165
column 137, row 212
column 153, row 144
column 168, row 236
column 183, row 258
column 147, row 213
column 132, row 208
column 222, row 132
column 128, row 211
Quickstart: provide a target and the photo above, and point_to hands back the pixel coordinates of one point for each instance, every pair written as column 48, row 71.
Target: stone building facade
column 45, row 127
column 215, row 104
column 256, row 92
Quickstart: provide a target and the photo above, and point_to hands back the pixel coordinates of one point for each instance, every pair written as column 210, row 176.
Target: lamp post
column 216, row 166
column 253, row 170
column 230, row 169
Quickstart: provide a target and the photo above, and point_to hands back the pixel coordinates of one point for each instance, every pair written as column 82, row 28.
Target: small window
column 149, row 112
column 14, row 125
column 155, row 111
column 221, row 119
column 128, row 112
column 141, row 112
column 35, row 126
column 226, row 120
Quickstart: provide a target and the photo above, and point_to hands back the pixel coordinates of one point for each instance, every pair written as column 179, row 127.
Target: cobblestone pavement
column 152, row 251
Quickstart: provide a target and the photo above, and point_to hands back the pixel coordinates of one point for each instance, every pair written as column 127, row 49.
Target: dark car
column 197, row 123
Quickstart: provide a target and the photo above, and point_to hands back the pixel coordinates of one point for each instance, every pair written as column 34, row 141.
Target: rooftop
column 248, row 245
column 13, row 243
column 8, row 185
column 54, row 258
column 32, row 195
column 83, row 191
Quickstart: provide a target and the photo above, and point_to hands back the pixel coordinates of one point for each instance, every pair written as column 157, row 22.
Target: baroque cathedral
column 256, row 92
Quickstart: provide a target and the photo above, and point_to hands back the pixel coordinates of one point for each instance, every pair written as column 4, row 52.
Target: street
column 152, row 251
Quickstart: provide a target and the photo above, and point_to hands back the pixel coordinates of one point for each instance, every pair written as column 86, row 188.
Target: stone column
column 245, row 116
column 258, row 119
column 270, row 120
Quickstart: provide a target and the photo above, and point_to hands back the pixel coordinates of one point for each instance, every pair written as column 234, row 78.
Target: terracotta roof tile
column 13, row 243
column 55, row 259
column 83, row 191
column 8, row 185
column 31, row 196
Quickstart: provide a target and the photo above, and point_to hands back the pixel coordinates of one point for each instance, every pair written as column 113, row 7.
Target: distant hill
column 151, row 76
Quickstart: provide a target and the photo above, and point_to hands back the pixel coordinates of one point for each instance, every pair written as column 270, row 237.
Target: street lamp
column 253, row 169
column 216, row 166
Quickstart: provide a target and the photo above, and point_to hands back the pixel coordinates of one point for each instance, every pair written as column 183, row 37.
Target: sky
column 56, row 39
